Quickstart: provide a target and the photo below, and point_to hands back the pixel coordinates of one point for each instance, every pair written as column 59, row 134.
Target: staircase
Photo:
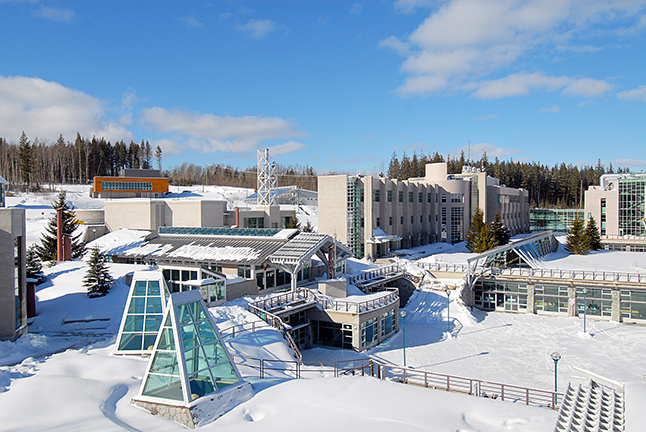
column 591, row 408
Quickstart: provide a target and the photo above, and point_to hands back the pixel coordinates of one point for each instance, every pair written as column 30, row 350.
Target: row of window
column 126, row 186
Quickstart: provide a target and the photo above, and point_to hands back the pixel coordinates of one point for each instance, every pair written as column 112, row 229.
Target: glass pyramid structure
column 189, row 359
column 143, row 314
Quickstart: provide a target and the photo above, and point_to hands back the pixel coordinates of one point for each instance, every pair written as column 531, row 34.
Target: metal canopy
column 528, row 250
column 292, row 256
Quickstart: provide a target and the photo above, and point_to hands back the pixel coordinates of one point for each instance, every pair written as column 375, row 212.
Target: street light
column 585, row 308
column 403, row 315
column 448, row 310
column 556, row 357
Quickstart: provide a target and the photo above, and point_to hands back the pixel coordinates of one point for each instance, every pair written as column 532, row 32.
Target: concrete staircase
column 591, row 408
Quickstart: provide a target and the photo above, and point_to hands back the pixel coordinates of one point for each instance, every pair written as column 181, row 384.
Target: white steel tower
column 266, row 178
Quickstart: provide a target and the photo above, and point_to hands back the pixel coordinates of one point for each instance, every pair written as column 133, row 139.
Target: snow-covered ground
column 64, row 377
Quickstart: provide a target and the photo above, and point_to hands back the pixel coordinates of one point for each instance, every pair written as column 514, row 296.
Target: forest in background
column 559, row 186
column 33, row 165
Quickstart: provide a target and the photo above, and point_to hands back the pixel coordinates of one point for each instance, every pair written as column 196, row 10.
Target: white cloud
column 46, row 109
column 55, row 14
column 493, row 151
column 191, row 21
column 257, row 29
column 356, row 9
column 628, row 162
column 552, row 109
column 410, row 6
column 463, row 41
column 486, row 117
column 210, row 133
column 638, row 94
column 524, row 83
column 421, row 85
column 288, row 147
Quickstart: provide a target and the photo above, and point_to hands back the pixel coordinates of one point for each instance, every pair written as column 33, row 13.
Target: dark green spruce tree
column 47, row 249
column 576, row 241
column 500, row 231
column 480, row 236
column 34, row 266
column 592, row 235
column 97, row 279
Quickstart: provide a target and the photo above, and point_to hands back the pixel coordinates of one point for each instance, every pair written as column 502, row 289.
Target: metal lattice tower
column 266, row 178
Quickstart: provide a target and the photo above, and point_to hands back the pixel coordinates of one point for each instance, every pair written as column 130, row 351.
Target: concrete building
column 288, row 195
column 374, row 215
column 150, row 214
column 559, row 220
column 13, row 289
column 3, row 186
column 131, row 183
column 618, row 204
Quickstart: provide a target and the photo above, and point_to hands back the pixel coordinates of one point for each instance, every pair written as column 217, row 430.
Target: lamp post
column 556, row 357
column 448, row 310
column 585, row 308
column 403, row 315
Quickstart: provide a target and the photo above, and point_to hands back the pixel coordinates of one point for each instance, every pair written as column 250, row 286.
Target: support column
column 571, row 304
column 616, row 304
column 531, row 301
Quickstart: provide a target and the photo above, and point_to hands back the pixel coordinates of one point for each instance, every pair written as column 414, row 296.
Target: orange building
column 131, row 183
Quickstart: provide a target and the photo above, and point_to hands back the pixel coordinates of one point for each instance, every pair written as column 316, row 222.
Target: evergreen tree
column 576, row 241
column 294, row 223
column 500, row 231
column 97, row 279
column 394, row 169
column 308, row 227
column 25, row 154
column 34, row 266
column 480, row 236
column 592, row 235
column 158, row 157
column 47, row 249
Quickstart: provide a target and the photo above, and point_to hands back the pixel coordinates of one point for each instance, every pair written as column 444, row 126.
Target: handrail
column 277, row 323
column 357, row 307
column 370, row 367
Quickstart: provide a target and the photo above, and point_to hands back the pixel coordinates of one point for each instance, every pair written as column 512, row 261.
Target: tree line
column 559, row 186
column 32, row 164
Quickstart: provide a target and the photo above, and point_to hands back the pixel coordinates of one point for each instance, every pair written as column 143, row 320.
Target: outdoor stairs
column 591, row 408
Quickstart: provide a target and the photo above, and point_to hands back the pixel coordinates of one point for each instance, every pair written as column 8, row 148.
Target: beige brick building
column 13, row 289
column 374, row 215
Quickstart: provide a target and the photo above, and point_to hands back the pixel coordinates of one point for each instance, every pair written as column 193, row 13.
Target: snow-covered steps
column 591, row 408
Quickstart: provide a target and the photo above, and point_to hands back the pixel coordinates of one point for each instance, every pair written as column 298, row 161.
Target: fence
column 368, row 367
column 277, row 323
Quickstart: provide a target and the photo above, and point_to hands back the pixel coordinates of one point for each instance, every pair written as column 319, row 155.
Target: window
column 428, row 197
column 376, row 195
column 378, row 222
column 388, row 323
column 244, row 271
column 421, row 219
column 126, row 186
column 254, row 222
column 457, row 216
column 456, row 198
column 420, row 194
column 410, row 196
column 401, row 220
column 400, row 196
column 390, row 221
column 389, row 196
column 369, row 332
column 443, row 198
column 411, row 220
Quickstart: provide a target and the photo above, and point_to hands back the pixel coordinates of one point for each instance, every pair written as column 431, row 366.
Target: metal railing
column 367, row 367
column 358, row 307
column 276, row 300
column 590, row 275
column 278, row 324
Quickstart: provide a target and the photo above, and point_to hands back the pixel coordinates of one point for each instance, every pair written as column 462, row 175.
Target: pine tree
column 308, row 227
column 473, row 235
column 592, row 235
column 158, row 157
column 97, row 279
column 34, row 266
column 500, row 231
column 576, row 241
column 25, row 154
column 47, row 249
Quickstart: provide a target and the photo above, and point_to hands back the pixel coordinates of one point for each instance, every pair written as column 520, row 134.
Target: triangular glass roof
column 189, row 359
column 143, row 314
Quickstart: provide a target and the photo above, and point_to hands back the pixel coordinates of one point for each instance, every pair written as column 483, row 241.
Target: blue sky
column 331, row 84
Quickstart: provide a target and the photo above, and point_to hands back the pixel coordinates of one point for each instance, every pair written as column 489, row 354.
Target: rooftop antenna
column 469, row 157
column 266, row 178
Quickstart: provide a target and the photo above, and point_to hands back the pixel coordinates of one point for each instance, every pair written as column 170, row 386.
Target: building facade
column 131, row 183
column 618, row 204
column 373, row 215
column 150, row 214
column 13, row 289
